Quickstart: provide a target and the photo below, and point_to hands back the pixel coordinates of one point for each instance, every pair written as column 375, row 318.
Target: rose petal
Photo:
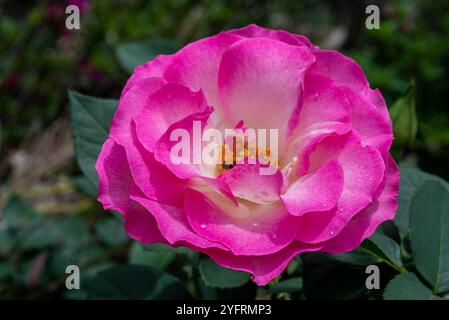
column 245, row 229
column 115, row 181
column 185, row 163
column 170, row 104
column 316, row 191
column 363, row 169
column 365, row 223
column 196, row 66
column 258, row 76
column 248, row 182
column 263, row 268
column 173, row 224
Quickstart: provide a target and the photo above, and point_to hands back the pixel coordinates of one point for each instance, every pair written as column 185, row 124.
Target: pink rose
column 332, row 184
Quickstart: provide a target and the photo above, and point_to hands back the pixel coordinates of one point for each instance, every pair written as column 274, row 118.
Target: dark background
column 41, row 60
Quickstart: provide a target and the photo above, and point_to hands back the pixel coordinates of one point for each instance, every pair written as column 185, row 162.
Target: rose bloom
column 334, row 181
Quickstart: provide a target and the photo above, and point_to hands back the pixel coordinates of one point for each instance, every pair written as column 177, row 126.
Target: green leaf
column 218, row 277
column 411, row 179
column 137, row 255
column 111, row 231
column 162, row 247
column 133, row 54
column 37, row 235
column 71, row 231
column 385, row 249
column 358, row 257
column 135, row 282
column 289, row 285
column 90, row 120
column 429, row 233
column 406, row 286
column 17, row 213
column 326, row 278
column 85, row 185
column 6, row 242
column 403, row 116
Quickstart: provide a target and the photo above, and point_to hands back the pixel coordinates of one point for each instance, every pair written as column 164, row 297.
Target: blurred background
column 49, row 218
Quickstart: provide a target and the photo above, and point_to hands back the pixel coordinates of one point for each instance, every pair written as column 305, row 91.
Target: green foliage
column 138, row 255
column 90, row 118
column 385, row 249
column 403, row 116
column 216, row 276
column 411, row 179
column 407, row 286
column 287, row 286
column 133, row 54
column 135, row 282
column 429, row 233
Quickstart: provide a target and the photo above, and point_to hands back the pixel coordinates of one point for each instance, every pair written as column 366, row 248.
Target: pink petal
column 152, row 69
column 129, row 105
column 263, row 268
column 246, row 182
column 323, row 103
column 254, row 31
column 373, row 125
column 170, row 104
column 173, row 224
column 183, row 165
column 346, row 72
column 365, row 223
column 115, row 181
column 363, row 169
column 245, row 229
column 260, row 77
column 196, row 66
column 151, row 176
column 317, row 191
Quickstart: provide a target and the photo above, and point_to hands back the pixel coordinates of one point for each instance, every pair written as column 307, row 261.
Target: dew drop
column 332, row 232
column 202, row 226
column 264, row 194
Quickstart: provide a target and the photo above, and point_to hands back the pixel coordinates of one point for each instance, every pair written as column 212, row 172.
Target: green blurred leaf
column 218, row 277
column 137, row 255
column 135, row 282
column 411, row 179
column 7, row 241
column 289, row 285
column 17, row 212
column 406, row 286
column 133, row 54
column 403, row 116
column 111, row 231
column 326, row 278
column 90, row 120
column 385, row 248
column 357, row 256
column 37, row 235
column 85, row 185
column 429, row 233
column 71, row 232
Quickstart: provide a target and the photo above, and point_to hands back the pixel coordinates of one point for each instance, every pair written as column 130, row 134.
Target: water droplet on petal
column 332, row 232
column 264, row 194
column 202, row 226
